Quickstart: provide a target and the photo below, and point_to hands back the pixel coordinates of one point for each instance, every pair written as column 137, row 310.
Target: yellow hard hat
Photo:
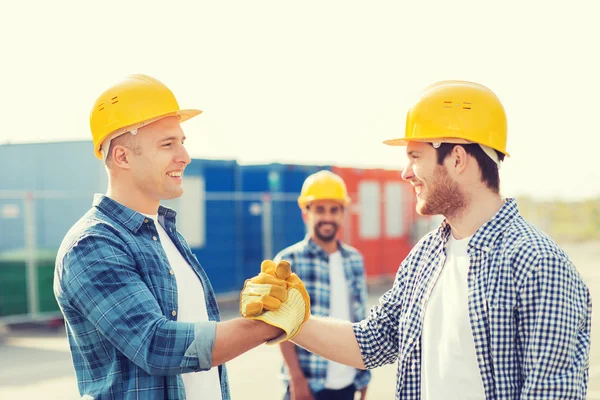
column 323, row 185
column 135, row 101
column 456, row 112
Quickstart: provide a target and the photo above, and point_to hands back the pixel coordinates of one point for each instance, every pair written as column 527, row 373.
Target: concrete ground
column 35, row 361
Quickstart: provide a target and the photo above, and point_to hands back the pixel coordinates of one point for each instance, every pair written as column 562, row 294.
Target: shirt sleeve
column 377, row 335
column 362, row 377
column 100, row 280
column 554, row 317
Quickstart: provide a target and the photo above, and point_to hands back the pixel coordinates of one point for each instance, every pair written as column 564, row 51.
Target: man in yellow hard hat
column 486, row 306
column 140, row 313
column 334, row 275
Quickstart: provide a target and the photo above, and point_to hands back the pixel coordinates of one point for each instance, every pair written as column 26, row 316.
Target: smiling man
column 140, row 313
column 484, row 307
column 334, row 276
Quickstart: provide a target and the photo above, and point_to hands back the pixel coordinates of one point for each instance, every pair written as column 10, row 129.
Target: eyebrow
column 171, row 138
column 412, row 152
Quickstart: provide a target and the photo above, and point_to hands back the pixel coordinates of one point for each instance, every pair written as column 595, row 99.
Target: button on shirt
column 119, row 299
column 530, row 313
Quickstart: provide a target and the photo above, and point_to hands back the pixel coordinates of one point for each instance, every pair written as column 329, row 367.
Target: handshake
column 277, row 297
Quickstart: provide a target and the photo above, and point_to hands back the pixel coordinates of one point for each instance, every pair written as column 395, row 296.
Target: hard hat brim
column 405, row 141
column 182, row 115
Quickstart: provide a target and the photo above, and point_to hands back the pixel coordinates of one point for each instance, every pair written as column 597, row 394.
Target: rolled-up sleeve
column 202, row 346
column 100, row 280
column 377, row 335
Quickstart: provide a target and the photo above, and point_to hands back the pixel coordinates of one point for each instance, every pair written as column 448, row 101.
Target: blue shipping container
column 62, row 177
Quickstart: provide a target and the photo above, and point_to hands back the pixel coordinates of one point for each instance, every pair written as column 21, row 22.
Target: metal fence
column 229, row 232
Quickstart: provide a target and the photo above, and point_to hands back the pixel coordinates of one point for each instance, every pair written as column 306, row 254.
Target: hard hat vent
column 114, row 100
column 450, row 104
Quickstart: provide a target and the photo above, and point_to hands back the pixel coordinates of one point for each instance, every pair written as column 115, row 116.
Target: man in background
column 334, row 276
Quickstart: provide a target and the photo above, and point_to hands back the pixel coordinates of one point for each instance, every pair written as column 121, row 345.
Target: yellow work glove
column 293, row 311
column 265, row 291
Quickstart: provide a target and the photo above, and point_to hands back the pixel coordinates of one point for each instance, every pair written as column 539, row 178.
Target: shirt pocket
column 502, row 328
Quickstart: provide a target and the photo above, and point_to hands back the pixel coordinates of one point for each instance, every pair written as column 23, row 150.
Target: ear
column 305, row 215
column 120, row 157
column 459, row 159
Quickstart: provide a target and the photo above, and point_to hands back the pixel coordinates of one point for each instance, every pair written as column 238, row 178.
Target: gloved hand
column 292, row 312
column 265, row 291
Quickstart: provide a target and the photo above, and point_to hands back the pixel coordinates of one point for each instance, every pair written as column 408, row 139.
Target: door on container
column 253, row 213
column 367, row 226
column 397, row 222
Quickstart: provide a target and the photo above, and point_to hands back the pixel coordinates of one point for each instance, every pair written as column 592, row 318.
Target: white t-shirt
column 338, row 375
column 449, row 361
column 192, row 308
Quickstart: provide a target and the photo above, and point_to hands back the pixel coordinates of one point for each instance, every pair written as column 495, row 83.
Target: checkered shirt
column 311, row 264
column 114, row 288
column 529, row 308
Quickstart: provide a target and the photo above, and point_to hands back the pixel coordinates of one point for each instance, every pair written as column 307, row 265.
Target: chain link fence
column 229, row 232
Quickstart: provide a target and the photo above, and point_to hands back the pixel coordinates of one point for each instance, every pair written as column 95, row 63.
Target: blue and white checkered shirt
column 119, row 299
column 311, row 264
column 530, row 313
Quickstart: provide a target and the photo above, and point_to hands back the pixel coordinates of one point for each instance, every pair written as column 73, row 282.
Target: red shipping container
column 380, row 220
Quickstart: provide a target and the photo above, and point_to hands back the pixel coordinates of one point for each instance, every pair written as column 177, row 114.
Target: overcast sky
column 316, row 82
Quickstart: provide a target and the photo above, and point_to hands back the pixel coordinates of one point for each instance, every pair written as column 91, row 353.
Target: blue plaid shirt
column 311, row 264
column 530, row 313
column 119, row 300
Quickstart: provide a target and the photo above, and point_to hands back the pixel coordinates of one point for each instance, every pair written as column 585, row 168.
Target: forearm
column 331, row 339
column 363, row 393
column 237, row 336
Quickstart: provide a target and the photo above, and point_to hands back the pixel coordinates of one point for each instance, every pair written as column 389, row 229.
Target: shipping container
column 380, row 218
column 51, row 184
column 49, row 187
column 232, row 216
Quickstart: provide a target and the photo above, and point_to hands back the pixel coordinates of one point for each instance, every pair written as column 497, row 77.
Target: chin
column 173, row 195
column 421, row 209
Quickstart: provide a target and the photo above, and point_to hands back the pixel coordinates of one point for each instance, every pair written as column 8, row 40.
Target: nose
column 184, row 156
column 407, row 173
column 327, row 217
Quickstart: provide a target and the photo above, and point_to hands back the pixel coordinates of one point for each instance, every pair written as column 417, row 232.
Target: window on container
column 191, row 211
column 370, row 210
column 394, row 210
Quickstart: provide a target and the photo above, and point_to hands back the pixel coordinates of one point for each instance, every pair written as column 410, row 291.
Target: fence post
column 30, row 250
column 267, row 227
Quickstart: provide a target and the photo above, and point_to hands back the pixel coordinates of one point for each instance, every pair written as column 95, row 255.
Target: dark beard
column 327, row 238
column 444, row 197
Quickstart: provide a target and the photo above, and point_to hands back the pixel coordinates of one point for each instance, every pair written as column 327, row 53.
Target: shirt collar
column 313, row 248
column 487, row 234
column 130, row 219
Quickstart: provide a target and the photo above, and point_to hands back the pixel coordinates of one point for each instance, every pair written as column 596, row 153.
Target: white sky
column 316, row 81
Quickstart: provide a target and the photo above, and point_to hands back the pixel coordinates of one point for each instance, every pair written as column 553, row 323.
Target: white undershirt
column 338, row 375
column 192, row 308
column 450, row 370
